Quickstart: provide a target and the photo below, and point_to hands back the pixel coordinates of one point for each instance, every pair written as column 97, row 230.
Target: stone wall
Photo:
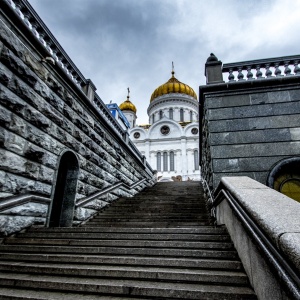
column 248, row 126
column 42, row 115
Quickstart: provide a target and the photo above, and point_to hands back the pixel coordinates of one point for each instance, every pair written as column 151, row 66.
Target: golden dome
column 173, row 85
column 127, row 105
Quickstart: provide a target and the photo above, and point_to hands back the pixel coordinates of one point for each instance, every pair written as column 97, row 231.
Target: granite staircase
column 157, row 245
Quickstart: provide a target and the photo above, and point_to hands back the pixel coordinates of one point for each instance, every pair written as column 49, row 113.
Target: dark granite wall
column 42, row 115
column 249, row 127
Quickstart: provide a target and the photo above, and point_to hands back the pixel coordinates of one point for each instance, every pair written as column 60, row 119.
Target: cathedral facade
column 170, row 142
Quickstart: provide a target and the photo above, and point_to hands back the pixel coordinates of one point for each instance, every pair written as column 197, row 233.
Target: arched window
column 191, row 116
column 165, row 161
column 160, row 114
column 196, row 160
column 158, row 161
column 181, row 115
column 153, row 118
column 172, row 161
column 171, row 113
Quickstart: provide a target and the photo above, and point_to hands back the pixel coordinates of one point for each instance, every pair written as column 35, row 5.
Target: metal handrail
column 285, row 273
column 81, row 202
column 14, row 201
column 210, row 195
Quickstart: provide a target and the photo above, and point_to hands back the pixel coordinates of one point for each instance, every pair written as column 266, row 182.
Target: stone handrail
column 270, row 221
column 272, row 68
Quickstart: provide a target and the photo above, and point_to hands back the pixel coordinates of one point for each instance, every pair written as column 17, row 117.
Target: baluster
column 59, row 59
column 258, row 72
column 48, row 44
column 268, row 71
column 249, row 73
column 70, row 69
column 231, row 76
column 42, row 34
column 277, row 70
column 78, row 80
column 287, row 70
column 64, row 62
column 74, row 76
column 54, row 52
column 34, row 26
column 240, row 75
column 19, row 6
column 26, row 15
column 296, row 69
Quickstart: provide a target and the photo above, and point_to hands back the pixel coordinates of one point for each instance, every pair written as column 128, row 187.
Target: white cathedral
column 170, row 142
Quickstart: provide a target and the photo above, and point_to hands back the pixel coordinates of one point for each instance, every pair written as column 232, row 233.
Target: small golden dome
column 127, row 105
column 173, row 85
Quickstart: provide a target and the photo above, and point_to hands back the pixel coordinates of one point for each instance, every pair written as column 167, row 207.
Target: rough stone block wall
column 40, row 117
column 247, row 131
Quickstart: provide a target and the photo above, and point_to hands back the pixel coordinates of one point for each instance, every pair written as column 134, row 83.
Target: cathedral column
column 183, row 158
column 153, row 160
column 147, row 150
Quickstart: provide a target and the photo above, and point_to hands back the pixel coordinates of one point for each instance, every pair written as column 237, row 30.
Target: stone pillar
column 147, row 149
column 213, row 70
column 126, row 137
column 183, row 157
column 89, row 89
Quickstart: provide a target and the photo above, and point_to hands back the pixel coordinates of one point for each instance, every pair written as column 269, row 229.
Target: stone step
column 120, row 243
column 164, row 252
column 204, row 263
column 120, row 287
column 147, row 219
column 128, row 236
column 22, row 294
column 129, row 272
column 157, row 204
column 169, row 224
column 148, row 224
column 200, row 230
column 152, row 212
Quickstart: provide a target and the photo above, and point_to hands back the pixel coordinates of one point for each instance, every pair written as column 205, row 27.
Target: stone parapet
column 277, row 216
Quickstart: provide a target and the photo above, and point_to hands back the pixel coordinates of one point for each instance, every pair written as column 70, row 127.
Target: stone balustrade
column 57, row 54
column 262, row 68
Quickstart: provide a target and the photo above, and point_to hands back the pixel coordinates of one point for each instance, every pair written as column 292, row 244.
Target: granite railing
column 264, row 227
column 262, row 68
column 24, row 11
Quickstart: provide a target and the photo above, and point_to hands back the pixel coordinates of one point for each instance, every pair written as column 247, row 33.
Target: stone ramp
column 108, row 258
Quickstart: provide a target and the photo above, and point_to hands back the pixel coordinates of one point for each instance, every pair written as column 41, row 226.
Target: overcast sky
column 132, row 43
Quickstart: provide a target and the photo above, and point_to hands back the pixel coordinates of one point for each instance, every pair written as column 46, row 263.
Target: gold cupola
column 173, row 85
column 127, row 104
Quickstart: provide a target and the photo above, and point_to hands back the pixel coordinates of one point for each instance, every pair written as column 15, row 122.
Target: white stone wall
column 180, row 140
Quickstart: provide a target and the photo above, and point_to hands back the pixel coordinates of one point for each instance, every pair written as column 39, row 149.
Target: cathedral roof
column 173, row 85
column 127, row 104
